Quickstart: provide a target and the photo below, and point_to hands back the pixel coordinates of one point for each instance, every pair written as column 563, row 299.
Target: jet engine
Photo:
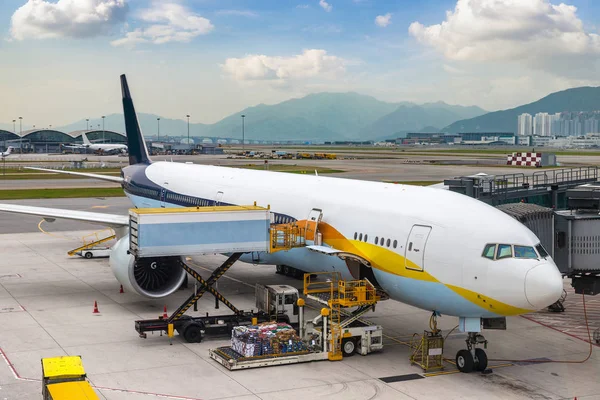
column 153, row 277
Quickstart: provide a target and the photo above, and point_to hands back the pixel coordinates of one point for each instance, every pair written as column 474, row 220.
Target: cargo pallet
column 235, row 361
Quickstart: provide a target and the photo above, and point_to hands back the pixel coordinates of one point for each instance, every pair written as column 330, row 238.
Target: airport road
column 365, row 169
column 17, row 223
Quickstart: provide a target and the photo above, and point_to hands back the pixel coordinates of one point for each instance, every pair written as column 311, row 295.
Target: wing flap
column 116, row 179
column 330, row 251
column 109, row 220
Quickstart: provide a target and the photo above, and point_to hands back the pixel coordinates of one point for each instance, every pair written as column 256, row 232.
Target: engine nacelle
column 154, row 277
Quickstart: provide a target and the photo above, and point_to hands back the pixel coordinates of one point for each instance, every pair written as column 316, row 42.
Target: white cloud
column 302, row 6
column 325, row 5
column 311, row 63
column 40, row 19
column 383, row 20
column 169, row 22
column 509, row 30
column 238, row 13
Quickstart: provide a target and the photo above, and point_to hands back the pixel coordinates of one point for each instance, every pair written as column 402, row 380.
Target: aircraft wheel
column 464, row 361
column 88, row 255
column 482, row 360
column 279, row 269
column 348, row 347
column 287, row 270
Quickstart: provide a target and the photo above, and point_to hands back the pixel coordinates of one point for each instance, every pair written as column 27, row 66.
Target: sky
column 60, row 60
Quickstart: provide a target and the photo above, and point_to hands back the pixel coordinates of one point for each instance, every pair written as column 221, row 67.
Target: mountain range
column 351, row 116
column 576, row 99
column 320, row 116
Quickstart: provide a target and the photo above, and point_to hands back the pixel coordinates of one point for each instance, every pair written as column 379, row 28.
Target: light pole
column 103, row 140
column 21, row 134
column 87, row 124
column 188, row 120
column 243, row 141
column 14, row 128
column 158, row 129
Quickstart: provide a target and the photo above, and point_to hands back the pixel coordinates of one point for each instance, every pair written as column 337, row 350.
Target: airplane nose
column 543, row 285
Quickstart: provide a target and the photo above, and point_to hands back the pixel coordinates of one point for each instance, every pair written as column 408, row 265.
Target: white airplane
column 102, row 147
column 7, row 153
column 433, row 249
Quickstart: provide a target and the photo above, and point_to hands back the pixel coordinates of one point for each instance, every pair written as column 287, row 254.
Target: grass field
column 20, row 194
column 415, row 183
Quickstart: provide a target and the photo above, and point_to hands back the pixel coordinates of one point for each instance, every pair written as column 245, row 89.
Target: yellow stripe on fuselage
column 391, row 262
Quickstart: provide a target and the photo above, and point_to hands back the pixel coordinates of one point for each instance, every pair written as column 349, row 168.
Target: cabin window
column 366, row 237
column 376, row 239
column 388, row 243
column 360, row 237
column 504, row 251
column 489, row 250
column 525, row 252
column 355, row 235
column 542, row 252
column 395, row 243
column 382, row 242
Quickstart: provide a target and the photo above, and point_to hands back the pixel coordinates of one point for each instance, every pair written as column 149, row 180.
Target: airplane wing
column 109, row 220
column 330, row 251
column 109, row 178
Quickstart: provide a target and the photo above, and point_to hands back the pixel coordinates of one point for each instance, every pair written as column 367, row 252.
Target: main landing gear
column 473, row 358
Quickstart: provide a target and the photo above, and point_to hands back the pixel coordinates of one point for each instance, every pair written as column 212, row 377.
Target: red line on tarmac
column 558, row 330
column 13, row 369
column 164, row 396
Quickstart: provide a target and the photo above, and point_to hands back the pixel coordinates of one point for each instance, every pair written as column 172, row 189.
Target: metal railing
column 539, row 179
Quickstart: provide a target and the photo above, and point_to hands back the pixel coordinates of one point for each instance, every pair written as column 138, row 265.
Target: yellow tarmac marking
column 51, row 234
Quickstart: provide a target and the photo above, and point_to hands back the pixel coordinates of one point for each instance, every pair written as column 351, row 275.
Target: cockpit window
column 489, row 251
column 504, row 251
column 540, row 249
column 525, row 252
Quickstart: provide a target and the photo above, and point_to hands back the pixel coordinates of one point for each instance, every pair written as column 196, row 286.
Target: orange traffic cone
column 121, row 290
column 165, row 316
column 96, row 311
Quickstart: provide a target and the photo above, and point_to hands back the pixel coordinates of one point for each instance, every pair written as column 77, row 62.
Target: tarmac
column 46, row 303
column 47, row 297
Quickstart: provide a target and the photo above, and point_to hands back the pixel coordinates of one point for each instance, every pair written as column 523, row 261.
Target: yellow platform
column 62, row 367
column 72, row 391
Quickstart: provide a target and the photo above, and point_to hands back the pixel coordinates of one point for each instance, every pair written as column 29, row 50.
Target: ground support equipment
column 193, row 328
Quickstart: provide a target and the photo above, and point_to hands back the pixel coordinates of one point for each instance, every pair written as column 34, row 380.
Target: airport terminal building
column 51, row 141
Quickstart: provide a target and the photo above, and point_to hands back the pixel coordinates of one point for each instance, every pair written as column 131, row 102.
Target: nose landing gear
column 473, row 358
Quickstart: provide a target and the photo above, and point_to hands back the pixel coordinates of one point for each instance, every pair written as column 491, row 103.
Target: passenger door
column 312, row 223
column 414, row 256
column 218, row 198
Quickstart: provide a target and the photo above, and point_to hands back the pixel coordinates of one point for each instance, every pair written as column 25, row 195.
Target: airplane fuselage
column 425, row 245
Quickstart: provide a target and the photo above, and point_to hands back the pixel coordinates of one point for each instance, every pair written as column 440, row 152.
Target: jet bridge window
column 489, row 251
column 525, row 252
column 504, row 251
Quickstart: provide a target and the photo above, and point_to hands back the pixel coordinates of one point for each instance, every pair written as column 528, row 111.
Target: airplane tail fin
column 138, row 153
column 85, row 139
